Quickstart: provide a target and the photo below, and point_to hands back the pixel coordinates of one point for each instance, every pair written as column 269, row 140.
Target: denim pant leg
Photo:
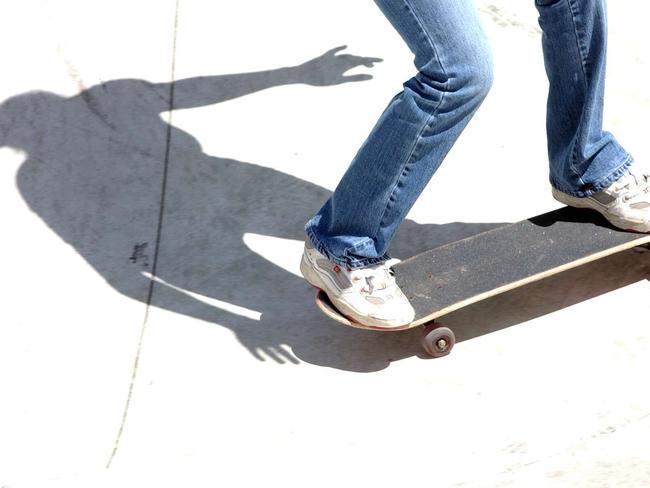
column 583, row 158
column 413, row 135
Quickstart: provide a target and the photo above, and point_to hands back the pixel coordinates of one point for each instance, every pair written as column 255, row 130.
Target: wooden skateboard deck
column 453, row 276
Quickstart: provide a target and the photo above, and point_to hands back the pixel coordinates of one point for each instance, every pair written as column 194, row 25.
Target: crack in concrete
column 157, row 245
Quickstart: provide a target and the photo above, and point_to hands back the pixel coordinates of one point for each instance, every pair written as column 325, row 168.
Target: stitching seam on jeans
column 574, row 153
column 579, row 43
column 427, row 122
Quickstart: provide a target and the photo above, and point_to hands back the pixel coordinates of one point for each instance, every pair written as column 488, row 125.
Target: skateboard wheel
column 438, row 341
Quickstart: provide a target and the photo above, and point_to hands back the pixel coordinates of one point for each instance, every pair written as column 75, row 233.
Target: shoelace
column 642, row 186
column 369, row 275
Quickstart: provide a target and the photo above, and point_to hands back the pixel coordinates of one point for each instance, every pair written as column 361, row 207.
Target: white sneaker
column 625, row 204
column 367, row 296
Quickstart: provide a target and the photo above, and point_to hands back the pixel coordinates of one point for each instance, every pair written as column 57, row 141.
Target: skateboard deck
column 455, row 275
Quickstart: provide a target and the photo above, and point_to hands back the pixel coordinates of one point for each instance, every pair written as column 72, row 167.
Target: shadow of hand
column 328, row 69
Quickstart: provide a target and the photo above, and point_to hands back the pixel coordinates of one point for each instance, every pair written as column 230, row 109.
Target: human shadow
column 102, row 164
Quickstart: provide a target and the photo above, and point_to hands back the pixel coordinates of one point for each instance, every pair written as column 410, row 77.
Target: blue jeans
column 454, row 74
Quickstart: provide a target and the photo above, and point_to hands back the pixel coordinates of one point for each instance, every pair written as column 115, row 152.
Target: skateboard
column 450, row 277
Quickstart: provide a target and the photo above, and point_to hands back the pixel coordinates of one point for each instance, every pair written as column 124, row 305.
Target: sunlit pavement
column 154, row 329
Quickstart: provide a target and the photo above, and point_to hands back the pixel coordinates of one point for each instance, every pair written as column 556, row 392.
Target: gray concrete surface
column 154, row 328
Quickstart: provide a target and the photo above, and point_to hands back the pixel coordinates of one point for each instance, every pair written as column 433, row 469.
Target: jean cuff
column 601, row 184
column 347, row 261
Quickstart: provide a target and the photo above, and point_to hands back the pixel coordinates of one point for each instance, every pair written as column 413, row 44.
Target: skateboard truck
column 642, row 249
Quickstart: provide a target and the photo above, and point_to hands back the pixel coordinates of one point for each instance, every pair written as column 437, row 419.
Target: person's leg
column 584, row 159
column 413, row 135
column 588, row 168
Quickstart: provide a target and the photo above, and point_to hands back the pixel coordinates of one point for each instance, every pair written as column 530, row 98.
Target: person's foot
column 625, row 204
column 368, row 296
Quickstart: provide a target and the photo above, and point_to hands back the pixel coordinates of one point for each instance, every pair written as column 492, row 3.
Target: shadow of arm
column 208, row 90
column 325, row 70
